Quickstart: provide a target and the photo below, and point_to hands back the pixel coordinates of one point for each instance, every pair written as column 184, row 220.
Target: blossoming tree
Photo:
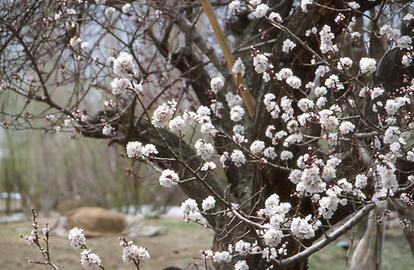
column 285, row 122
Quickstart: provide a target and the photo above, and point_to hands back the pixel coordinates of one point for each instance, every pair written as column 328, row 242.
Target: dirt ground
column 179, row 247
column 170, row 249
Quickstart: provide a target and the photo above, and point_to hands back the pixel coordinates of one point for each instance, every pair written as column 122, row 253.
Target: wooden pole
column 228, row 56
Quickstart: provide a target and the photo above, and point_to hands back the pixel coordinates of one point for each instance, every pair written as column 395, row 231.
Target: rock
column 343, row 244
column 14, row 218
column 97, row 221
column 146, row 231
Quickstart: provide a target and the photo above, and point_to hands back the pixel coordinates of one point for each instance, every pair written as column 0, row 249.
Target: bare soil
column 179, row 247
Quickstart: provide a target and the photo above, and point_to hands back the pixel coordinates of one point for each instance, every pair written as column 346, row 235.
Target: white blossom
column 168, row 178
column 238, row 158
column 236, row 113
column 238, row 67
column 274, row 16
column 273, row 237
column 90, row 260
column 208, row 203
column 131, row 252
column 222, row 257
column 76, row 237
column 241, row 265
column 286, row 155
column 260, row 63
column 301, row 228
column 204, row 150
column 304, row 5
column 257, row 147
column 126, row 8
column 177, row 124
column 261, row 10
column 163, row 114
column 216, row 84
column 288, row 45
column 294, row 82
column 189, row 208
column 124, row 66
column 367, row 65
column 346, row 127
column 344, row 63
column 361, row 181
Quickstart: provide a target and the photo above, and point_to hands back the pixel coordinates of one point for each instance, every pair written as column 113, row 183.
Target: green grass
column 397, row 256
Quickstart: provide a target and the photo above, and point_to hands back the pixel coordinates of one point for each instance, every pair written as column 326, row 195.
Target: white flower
column 238, row 158
column 222, row 257
column 334, row 82
column 189, row 208
column 304, row 5
column 274, row 16
column 236, row 113
column 376, row 92
column 408, row 17
column 294, row 82
column 107, row 130
column 406, row 60
column 269, row 153
column 242, row 246
column 285, row 155
column 77, row 237
column 410, row 155
column 257, row 147
column 120, row 86
column 90, row 260
column 126, row 8
column 301, row 228
column 238, row 67
column 321, row 91
column 208, row 166
column 168, row 178
column 327, row 120
column 136, row 149
column 109, row 11
column 233, row 100
column 208, row 203
column 346, row 127
column 367, row 65
column 261, row 10
column 131, row 252
column 204, row 150
column 326, row 39
column 260, row 63
column 404, row 42
column 391, row 135
column 163, row 114
column 305, row 104
column 284, row 73
column 124, row 66
column 234, row 5
column 75, row 42
column 216, row 84
column 392, row 106
column 177, row 124
column 241, row 265
column 288, row 45
column 387, row 178
column 344, row 63
column 361, row 181
column 272, row 237
column 353, row 5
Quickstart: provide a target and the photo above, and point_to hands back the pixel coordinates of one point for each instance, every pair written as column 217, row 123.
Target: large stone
column 96, row 221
